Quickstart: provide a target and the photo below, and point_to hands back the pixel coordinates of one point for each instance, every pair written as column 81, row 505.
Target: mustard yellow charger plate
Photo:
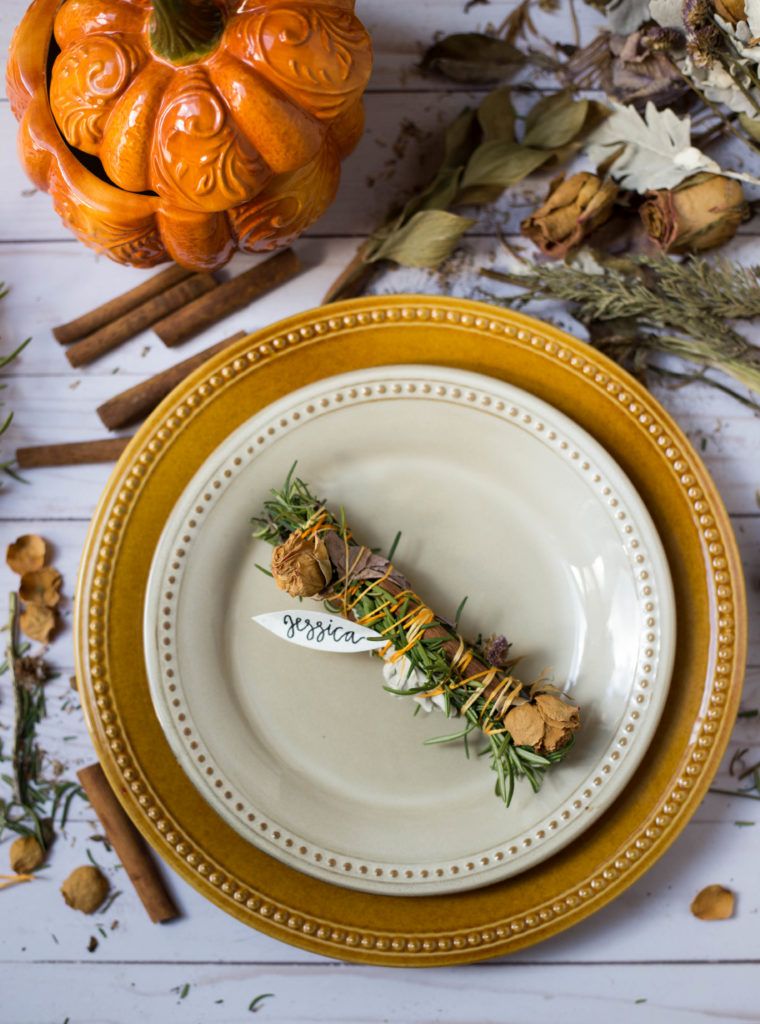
column 307, row 911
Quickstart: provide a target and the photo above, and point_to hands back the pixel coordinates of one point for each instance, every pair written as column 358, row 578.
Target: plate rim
column 605, row 779
column 683, row 776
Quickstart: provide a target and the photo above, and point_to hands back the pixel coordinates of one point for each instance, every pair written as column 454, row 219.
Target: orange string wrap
column 502, row 693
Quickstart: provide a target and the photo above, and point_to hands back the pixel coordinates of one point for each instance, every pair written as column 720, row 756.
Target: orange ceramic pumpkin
column 217, row 124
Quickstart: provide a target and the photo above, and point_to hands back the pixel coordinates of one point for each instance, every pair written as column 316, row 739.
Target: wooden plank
column 649, row 922
column 400, row 31
column 86, row 992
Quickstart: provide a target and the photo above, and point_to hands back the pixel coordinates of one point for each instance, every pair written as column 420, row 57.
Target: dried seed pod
column 37, row 622
column 42, row 586
column 26, row 554
column 26, row 855
column 85, row 889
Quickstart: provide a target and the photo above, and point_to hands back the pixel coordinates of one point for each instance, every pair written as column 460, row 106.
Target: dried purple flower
column 696, row 14
column 497, row 651
column 662, row 39
column 704, row 45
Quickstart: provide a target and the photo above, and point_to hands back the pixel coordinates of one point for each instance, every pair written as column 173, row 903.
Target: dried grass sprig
column 655, row 304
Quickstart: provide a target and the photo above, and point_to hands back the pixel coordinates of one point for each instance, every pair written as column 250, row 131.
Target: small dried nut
column 43, row 586
column 37, row 622
column 26, row 855
column 26, row 554
column 85, row 889
column 714, row 903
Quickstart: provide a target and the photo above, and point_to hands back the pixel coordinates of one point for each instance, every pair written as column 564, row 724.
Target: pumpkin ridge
column 283, row 134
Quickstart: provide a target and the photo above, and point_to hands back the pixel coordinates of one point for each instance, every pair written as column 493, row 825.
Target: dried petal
column 301, row 566
column 702, row 212
column 556, row 711
column 525, row 725
column 85, row 889
column 731, row 10
column 714, row 903
column 37, row 622
column 26, row 855
column 26, row 554
column 41, row 587
column 555, row 737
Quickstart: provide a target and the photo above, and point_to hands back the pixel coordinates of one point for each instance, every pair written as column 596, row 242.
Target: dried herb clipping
column 425, row 657
column 36, row 800
column 85, row 889
column 574, row 208
column 701, row 213
column 482, row 156
column 637, row 306
column 713, row 903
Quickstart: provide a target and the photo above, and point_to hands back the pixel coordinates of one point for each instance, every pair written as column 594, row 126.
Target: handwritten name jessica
column 318, row 631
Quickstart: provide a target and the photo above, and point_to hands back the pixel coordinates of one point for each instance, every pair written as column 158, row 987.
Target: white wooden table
column 642, row 958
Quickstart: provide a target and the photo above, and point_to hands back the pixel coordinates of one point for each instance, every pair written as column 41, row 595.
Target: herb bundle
column 525, row 728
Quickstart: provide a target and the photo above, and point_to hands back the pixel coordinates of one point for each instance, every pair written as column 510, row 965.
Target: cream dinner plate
column 499, row 497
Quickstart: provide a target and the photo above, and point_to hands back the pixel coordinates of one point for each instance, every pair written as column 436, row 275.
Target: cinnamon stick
column 227, row 298
column 129, row 845
column 136, row 402
column 137, row 319
column 114, row 308
column 73, row 454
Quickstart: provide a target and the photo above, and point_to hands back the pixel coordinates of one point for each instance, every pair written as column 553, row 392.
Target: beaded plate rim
column 684, row 789
column 627, row 515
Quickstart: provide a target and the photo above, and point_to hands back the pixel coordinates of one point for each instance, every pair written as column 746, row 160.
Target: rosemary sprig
column 291, row 509
column 35, row 801
column 656, row 304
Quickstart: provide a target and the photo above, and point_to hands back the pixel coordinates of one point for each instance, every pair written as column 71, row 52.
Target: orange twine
column 502, row 696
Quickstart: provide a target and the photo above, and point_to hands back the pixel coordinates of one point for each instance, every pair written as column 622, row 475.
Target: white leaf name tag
column 321, row 631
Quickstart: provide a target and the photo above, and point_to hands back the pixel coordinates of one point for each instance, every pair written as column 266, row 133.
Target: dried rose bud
column 301, row 566
column 700, row 213
column 732, row 11
column 546, row 723
column 85, row 889
column 572, row 210
column 26, row 855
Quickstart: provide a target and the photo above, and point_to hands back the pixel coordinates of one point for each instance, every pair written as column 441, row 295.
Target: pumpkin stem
column 181, row 31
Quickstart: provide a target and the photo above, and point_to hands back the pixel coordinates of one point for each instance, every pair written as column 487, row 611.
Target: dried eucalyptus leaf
column 502, row 164
column 460, row 140
column 655, row 150
column 554, row 121
column 472, row 57
column 496, row 116
column 424, row 241
column 478, row 195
